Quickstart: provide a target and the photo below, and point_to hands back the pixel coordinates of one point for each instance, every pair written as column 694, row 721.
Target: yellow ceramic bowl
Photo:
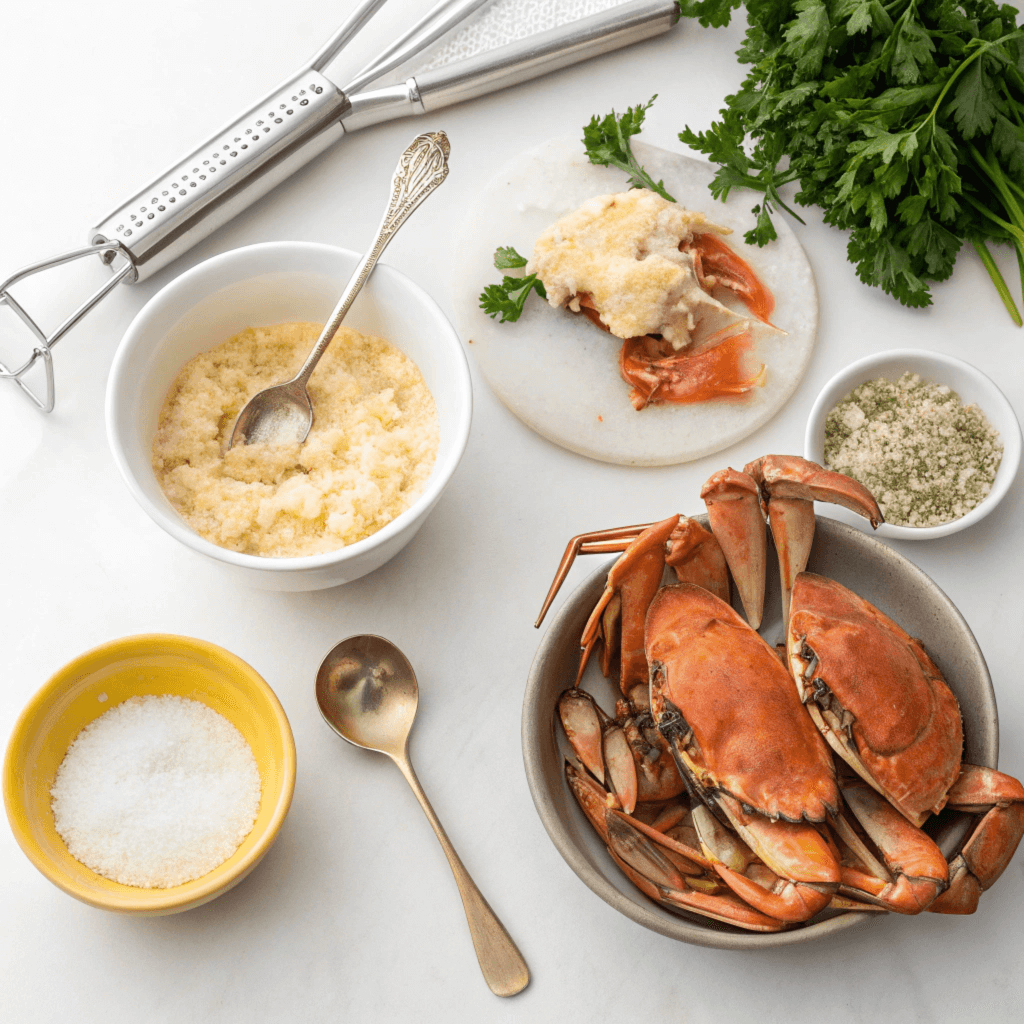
column 92, row 684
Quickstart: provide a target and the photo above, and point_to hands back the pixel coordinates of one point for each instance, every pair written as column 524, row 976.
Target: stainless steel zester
column 299, row 120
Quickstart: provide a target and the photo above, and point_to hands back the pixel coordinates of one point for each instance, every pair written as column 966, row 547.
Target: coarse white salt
column 155, row 792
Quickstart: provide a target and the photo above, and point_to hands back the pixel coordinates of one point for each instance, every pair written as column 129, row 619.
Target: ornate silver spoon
column 283, row 413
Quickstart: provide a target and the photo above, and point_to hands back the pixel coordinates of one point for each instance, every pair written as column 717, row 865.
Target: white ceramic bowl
column 273, row 283
column 966, row 380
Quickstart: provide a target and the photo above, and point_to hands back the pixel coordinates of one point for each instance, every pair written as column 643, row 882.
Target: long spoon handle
column 503, row 966
column 421, row 168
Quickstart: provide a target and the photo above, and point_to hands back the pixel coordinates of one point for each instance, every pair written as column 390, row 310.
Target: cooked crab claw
column 583, row 724
column 992, row 844
column 753, row 881
column 915, row 870
column 734, row 511
column 697, row 558
column 789, row 488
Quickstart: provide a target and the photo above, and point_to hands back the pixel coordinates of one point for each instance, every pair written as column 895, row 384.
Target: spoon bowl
column 368, row 694
column 282, row 414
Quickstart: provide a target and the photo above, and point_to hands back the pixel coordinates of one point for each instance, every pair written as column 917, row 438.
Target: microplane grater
column 466, row 48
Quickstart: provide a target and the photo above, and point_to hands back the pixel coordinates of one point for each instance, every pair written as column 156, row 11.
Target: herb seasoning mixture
column 927, row 458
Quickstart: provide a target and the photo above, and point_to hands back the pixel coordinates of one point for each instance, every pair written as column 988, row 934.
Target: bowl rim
column 856, row 372
column 174, row 525
column 189, row 894
column 680, row 928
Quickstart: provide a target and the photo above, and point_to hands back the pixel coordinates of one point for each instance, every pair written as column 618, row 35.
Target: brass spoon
column 368, row 694
column 283, row 413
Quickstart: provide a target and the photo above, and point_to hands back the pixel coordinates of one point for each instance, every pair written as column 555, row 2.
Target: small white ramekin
column 278, row 282
column 967, row 381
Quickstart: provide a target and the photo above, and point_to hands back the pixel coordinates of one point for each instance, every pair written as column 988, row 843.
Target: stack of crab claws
column 625, row 755
column 781, row 489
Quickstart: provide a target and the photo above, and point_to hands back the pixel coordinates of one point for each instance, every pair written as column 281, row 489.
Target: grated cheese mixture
column 155, row 792
column 623, row 251
column 927, row 458
column 367, row 459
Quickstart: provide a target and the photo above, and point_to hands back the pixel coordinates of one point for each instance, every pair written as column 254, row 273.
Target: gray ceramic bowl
column 858, row 561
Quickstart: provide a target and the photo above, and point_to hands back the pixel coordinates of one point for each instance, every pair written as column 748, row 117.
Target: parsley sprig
column 508, row 298
column 903, row 121
column 606, row 141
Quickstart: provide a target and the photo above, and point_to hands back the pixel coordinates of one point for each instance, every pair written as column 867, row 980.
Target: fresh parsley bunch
column 903, row 121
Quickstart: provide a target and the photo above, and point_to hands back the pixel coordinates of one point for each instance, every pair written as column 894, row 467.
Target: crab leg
column 992, row 844
column 594, row 542
column 734, row 510
column 789, row 487
column 657, row 777
column 674, row 875
column 627, row 755
column 636, row 578
column 694, row 553
column 724, row 907
column 601, row 744
column 662, row 868
column 611, row 634
column 803, row 872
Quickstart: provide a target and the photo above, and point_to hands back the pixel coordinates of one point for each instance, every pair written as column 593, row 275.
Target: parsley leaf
column 710, row 13
column 606, row 141
column 508, row 298
column 506, row 258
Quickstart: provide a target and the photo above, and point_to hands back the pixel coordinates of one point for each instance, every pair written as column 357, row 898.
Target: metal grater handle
column 227, row 173
column 514, row 63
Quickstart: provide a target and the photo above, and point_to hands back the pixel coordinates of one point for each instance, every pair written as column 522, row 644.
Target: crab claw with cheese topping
column 631, row 254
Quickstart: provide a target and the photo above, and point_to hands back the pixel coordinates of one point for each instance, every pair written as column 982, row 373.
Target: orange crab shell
column 757, row 743
column 880, row 701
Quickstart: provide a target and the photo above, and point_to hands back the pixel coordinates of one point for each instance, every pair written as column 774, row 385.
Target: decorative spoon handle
column 503, row 966
column 421, row 168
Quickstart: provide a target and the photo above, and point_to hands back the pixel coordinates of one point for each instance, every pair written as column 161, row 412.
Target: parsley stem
column 1020, row 263
column 1014, row 231
column 999, row 179
column 1012, row 105
column 1015, row 187
column 997, row 280
column 773, row 193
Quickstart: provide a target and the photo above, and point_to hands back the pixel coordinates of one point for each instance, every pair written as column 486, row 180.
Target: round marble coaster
column 558, row 373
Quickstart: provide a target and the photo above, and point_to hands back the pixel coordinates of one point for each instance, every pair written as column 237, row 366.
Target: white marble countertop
column 353, row 914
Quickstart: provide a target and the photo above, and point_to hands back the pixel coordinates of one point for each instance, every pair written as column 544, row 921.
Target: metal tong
column 295, row 123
